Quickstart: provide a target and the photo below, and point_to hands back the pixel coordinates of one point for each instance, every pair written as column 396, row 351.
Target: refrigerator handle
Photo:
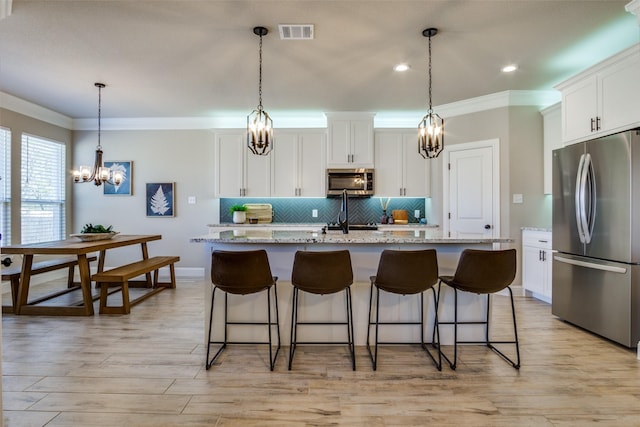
column 579, row 205
column 590, row 198
column 593, row 265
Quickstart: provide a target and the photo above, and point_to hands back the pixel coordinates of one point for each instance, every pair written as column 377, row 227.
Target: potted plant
column 239, row 213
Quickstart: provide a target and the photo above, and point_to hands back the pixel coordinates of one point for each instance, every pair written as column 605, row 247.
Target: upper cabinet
column 240, row 173
column 298, row 164
column 552, row 120
column 603, row 99
column 400, row 170
column 350, row 142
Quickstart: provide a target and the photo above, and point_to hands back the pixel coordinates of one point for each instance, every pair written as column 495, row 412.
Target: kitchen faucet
column 343, row 216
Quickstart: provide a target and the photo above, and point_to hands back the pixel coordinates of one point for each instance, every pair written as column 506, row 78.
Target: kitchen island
column 365, row 248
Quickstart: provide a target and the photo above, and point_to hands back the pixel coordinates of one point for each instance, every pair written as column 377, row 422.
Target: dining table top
column 74, row 246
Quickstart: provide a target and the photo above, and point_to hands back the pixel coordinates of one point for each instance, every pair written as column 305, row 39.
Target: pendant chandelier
column 259, row 124
column 431, row 127
column 99, row 173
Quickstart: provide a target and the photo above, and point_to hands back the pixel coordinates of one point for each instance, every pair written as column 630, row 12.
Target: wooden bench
column 12, row 274
column 120, row 276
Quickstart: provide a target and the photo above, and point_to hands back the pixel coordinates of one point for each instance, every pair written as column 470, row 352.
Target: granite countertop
column 337, row 237
column 315, row 225
column 535, row 229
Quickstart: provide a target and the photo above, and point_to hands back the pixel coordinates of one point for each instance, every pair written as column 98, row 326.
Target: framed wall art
column 161, row 199
column 126, row 186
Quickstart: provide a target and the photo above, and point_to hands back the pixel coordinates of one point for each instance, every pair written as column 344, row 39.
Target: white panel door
column 471, row 192
column 389, row 168
column 229, row 164
column 579, row 107
column 417, row 170
column 312, row 165
column 362, row 143
column 257, row 174
column 285, row 166
column 339, row 149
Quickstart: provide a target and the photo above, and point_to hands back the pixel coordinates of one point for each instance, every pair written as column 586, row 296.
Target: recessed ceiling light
column 509, row 68
column 401, row 67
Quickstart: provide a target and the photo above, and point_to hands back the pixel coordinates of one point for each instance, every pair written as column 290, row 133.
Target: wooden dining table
column 75, row 247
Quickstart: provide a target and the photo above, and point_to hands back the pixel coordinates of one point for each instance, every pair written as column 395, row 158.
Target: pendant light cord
column 260, row 77
column 430, row 104
column 99, row 114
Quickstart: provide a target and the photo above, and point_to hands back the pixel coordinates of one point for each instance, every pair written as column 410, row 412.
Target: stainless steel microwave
column 357, row 182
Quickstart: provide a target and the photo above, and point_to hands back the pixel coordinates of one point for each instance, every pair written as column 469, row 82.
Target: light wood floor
column 147, row 369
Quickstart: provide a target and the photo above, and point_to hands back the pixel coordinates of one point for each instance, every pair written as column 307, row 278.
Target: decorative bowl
column 91, row 237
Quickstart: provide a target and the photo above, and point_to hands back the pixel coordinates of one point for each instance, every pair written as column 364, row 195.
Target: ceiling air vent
column 296, row 31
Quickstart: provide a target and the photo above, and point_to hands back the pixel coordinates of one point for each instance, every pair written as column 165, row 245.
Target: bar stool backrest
column 322, row 273
column 241, row 272
column 485, row 271
column 407, row 272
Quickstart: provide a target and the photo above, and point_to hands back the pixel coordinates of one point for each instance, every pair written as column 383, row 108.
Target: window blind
column 42, row 189
column 5, row 185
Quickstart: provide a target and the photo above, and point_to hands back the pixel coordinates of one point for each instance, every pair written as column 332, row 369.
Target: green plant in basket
column 237, row 208
column 90, row 228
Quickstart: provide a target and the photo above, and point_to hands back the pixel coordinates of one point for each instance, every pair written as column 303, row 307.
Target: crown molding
column 20, row 106
column 510, row 98
column 284, row 119
column 5, row 8
column 634, row 7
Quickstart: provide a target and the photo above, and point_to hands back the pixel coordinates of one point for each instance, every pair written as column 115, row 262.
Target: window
column 43, row 190
column 5, row 185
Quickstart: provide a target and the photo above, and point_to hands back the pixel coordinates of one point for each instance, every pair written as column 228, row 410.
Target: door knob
column 487, row 226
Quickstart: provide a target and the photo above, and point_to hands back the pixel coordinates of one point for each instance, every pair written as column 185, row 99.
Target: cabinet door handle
column 592, row 124
column 539, row 255
column 401, row 191
column 597, row 123
column 405, row 191
column 544, row 255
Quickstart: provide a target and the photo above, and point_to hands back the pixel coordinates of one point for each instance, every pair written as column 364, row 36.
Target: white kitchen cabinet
column 239, row 172
column 298, row 164
column 400, row 170
column 552, row 120
column 537, row 263
column 603, row 99
column 350, row 143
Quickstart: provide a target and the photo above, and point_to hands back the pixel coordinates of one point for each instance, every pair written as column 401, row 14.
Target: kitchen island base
column 364, row 257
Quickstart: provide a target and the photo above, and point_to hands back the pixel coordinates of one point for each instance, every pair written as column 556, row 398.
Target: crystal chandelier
column 259, row 124
column 99, row 173
column 431, row 127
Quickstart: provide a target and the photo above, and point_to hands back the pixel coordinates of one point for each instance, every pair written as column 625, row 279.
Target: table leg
column 85, row 283
column 145, row 255
column 23, row 286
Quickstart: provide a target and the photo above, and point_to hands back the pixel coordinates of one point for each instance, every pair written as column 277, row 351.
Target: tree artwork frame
column 126, row 186
column 160, row 199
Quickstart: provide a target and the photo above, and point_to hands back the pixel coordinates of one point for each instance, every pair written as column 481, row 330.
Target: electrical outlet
column 191, row 200
column 517, row 198
column 314, row 213
column 416, row 213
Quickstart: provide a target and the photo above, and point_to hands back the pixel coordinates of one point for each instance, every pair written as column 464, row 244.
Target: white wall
column 185, row 157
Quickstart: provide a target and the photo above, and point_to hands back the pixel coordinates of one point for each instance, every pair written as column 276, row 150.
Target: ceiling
column 181, row 58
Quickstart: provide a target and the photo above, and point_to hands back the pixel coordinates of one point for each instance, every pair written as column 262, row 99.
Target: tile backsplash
column 299, row 210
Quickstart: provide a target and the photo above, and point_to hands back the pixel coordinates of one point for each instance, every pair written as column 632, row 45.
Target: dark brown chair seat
column 322, row 273
column 482, row 272
column 404, row 273
column 243, row 273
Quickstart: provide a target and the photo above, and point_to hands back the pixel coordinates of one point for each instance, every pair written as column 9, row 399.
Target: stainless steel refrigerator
column 596, row 236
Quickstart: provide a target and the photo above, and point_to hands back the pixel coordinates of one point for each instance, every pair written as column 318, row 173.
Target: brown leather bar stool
column 243, row 273
column 322, row 273
column 405, row 273
column 482, row 272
